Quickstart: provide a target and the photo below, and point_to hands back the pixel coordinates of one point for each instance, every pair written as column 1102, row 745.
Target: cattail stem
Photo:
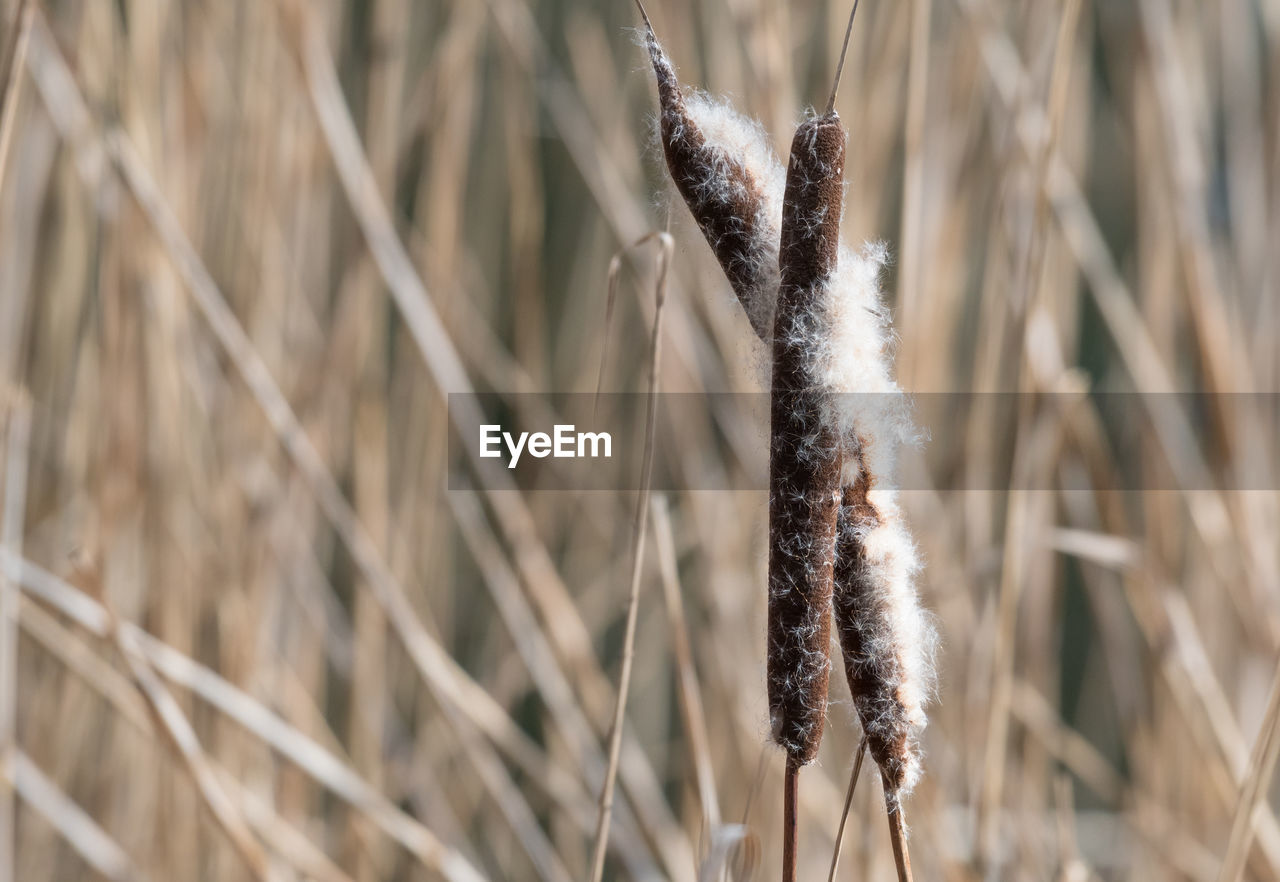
column 897, row 831
column 790, row 826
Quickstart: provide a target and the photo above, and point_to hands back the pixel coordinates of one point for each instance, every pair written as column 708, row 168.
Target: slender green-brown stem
column 790, row 799
column 897, row 832
column 848, row 802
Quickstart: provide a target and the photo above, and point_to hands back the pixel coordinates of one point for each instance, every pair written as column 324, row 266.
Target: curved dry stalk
column 638, row 532
column 848, row 802
column 615, row 269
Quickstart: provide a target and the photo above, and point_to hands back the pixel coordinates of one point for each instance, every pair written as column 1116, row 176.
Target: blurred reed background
column 246, row 246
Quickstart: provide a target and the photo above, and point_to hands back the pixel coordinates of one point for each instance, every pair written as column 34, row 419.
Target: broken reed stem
column 637, row 558
column 615, row 270
column 844, row 49
column 897, row 831
column 848, row 803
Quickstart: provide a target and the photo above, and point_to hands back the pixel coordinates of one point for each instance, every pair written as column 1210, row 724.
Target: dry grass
column 247, row 246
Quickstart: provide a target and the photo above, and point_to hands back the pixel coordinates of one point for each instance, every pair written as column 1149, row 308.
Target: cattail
column 727, row 174
column 839, row 340
column 884, row 636
column 804, row 458
column 837, row 540
column 805, row 448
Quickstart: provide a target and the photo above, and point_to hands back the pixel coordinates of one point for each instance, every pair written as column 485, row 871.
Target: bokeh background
column 247, row 246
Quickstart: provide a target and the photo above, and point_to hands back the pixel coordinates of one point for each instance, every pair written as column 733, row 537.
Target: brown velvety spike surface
column 871, row 662
column 805, row 450
column 723, row 195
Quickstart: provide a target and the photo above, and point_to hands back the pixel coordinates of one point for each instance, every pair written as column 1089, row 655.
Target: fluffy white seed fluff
column 854, row 362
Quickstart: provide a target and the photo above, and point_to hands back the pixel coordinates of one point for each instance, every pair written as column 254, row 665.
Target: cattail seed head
column 838, row 543
column 885, row 638
column 731, row 181
column 805, row 448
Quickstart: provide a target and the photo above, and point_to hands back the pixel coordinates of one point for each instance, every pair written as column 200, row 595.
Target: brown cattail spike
column 805, row 450
column 720, row 181
column 875, row 669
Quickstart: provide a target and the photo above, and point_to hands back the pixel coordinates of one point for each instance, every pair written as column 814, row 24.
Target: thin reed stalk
column 691, row 705
column 77, row 827
column 848, row 803
column 17, row 424
column 638, row 534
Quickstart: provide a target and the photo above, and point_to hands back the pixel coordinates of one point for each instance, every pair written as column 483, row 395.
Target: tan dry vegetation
column 246, row 246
